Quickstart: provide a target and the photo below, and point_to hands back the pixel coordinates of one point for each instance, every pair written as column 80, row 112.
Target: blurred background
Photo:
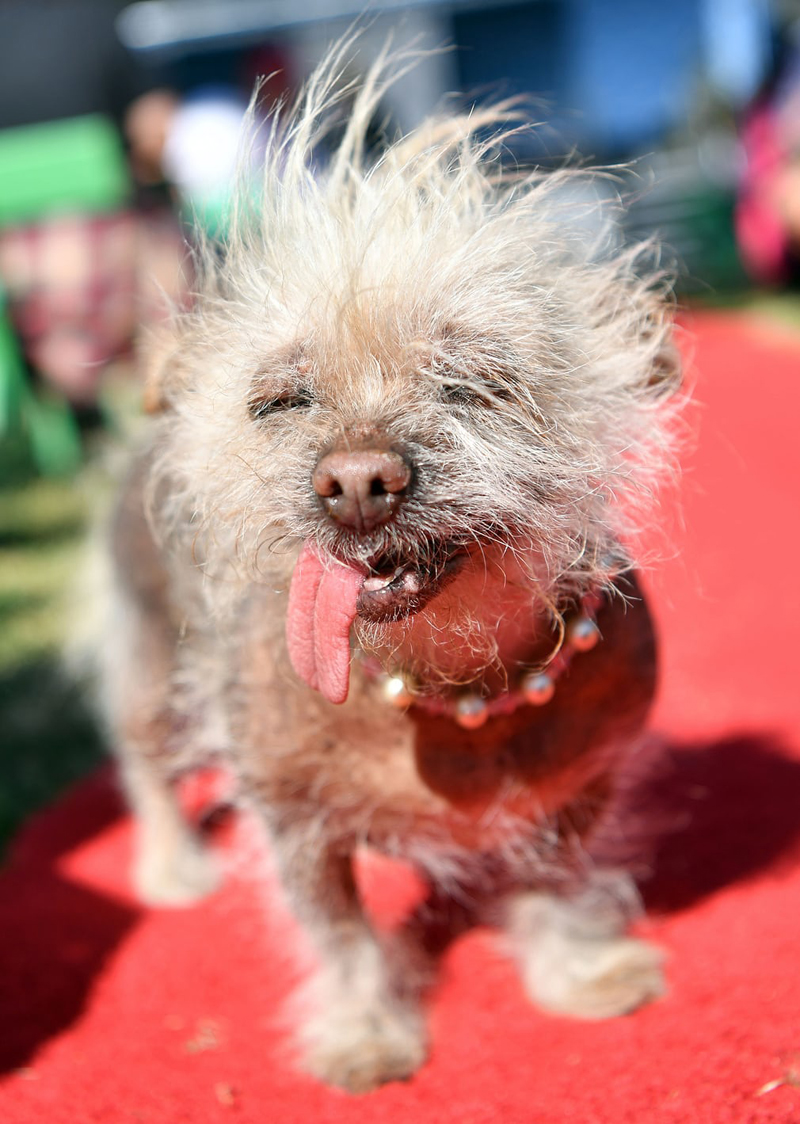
column 118, row 130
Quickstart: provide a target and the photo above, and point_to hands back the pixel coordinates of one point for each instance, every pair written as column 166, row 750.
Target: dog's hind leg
column 574, row 956
column 171, row 867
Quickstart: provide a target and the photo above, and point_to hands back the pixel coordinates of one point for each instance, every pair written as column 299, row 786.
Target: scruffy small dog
column 371, row 557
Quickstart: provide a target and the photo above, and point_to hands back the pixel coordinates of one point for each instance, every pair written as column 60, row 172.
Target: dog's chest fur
column 364, row 770
column 372, row 773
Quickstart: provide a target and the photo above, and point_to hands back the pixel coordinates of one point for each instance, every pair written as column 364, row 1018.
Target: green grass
column 782, row 307
column 41, row 526
column 47, row 735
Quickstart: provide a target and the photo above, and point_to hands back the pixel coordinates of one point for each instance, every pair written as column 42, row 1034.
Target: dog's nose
column 361, row 489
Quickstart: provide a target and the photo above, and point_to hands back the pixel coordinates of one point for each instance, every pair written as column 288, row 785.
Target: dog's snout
column 361, row 489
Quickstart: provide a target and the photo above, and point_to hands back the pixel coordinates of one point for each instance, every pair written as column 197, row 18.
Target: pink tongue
column 322, row 607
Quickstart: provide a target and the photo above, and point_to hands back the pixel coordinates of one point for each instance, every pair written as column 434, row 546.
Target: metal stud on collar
column 534, row 688
column 396, row 692
column 538, row 687
column 470, row 711
column 582, row 633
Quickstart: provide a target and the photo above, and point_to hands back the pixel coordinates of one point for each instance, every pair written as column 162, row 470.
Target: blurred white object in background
column 202, row 147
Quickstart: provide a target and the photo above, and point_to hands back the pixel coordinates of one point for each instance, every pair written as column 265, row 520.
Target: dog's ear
column 164, row 367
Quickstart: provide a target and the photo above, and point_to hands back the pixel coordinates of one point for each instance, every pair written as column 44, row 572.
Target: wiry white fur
column 446, row 304
column 373, row 284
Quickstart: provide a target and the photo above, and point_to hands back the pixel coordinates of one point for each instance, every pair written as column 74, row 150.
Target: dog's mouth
column 396, row 588
column 327, row 594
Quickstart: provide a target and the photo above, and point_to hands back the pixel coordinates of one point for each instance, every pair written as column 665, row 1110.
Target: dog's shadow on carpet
column 691, row 819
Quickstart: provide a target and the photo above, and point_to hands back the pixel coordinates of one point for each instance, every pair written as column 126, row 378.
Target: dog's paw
column 179, row 875
column 593, row 979
column 361, row 1056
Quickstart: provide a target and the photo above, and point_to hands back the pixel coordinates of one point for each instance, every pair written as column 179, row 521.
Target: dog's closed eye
column 280, row 384
column 471, row 370
column 475, row 392
column 263, row 404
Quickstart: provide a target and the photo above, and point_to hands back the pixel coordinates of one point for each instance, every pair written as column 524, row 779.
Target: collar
column 471, row 709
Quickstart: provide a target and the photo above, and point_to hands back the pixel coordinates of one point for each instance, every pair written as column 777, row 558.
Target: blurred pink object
column 78, row 287
column 763, row 237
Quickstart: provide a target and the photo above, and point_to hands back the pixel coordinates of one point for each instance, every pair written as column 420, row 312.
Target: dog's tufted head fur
column 436, row 304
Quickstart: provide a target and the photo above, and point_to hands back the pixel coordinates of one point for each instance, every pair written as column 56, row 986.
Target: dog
column 376, row 554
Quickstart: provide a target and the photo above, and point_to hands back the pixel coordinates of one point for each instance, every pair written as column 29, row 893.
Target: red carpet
column 114, row 1014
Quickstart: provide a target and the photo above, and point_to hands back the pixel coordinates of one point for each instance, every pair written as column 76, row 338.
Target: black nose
column 361, row 489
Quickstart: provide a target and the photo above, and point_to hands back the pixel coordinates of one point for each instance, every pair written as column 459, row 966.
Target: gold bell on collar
column 396, row 692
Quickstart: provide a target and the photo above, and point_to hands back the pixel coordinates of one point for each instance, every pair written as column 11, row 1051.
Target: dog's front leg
column 574, row 955
column 361, row 1022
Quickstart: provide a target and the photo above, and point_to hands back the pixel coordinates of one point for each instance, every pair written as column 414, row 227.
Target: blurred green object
column 207, row 213
column 60, row 167
column 54, row 434
column 43, row 421
column 12, row 373
column 48, row 736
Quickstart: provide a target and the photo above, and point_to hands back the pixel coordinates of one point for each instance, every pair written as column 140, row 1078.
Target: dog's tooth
column 372, row 585
column 411, row 582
